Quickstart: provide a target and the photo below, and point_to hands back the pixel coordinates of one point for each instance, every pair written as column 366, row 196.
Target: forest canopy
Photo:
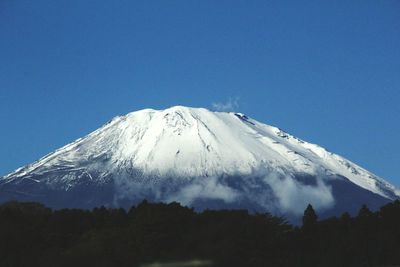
column 34, row 235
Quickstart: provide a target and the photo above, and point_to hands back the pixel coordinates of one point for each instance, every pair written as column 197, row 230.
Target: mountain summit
column 200, row 158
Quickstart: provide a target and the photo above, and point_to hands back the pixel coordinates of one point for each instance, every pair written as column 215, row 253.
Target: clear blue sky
column 325, row 71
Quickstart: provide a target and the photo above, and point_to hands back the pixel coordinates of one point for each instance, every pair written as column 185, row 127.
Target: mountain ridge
column 192, row 150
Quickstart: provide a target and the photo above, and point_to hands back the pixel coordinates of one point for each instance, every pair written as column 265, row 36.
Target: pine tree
column 309, row 218
column 364, row 212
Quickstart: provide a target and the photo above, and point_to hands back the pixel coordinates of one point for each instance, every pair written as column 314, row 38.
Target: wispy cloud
column 230, row 105
column 207, row 189
column 293, row 196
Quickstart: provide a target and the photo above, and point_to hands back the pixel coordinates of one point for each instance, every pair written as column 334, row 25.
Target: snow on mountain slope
column 187, row 143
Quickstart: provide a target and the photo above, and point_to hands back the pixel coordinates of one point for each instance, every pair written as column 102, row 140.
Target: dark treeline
column 33, row 235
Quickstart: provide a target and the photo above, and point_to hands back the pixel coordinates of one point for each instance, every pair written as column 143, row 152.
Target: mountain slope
column 199, row 158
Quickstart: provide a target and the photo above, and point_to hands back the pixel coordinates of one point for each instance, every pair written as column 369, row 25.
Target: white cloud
column 230, row 105
column 208, row 188
column 275, row 191
column 293, row 196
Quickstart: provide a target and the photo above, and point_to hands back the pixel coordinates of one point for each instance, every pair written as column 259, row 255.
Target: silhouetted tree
column 33, row 235
column 364, row 212
column 309, row 218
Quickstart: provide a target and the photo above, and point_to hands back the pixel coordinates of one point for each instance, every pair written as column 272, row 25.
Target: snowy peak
column 185, row 143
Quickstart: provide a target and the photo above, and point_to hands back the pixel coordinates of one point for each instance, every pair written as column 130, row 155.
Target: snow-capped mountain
column 200, row 158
